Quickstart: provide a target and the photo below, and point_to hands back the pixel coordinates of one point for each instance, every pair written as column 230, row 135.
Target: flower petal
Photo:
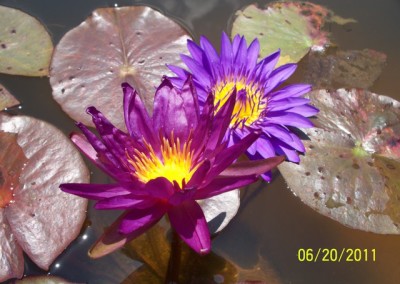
column 279, row 75
column 252, row 54
column 189, row 222
column 304, row 110
column 137, row 222
column 227, row 156
column 223, row 184
column 176, row 110
column 199, row 174
column 257, row 167
column 137, row 119
column 94, row 191
column 226, row 51
column 125, row 202
column 289, row 119
column 290, row 91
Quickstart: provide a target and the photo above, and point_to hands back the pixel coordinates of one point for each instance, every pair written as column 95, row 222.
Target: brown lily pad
column 25, row 45
column 114, row 45
column 6, row 99
column 41, row 219
column 344, row 69
column 350, row 171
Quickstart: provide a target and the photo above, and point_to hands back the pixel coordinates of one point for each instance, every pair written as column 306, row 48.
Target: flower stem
column 172, row 276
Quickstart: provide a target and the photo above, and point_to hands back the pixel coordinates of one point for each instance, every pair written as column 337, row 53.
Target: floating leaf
column 292, row 27
column 6, row 99
column 114, row 45
column 42, row 280
column 351, row 169
column 220, row 209
column 25, row 45
column 344, row 69
column 42, row 219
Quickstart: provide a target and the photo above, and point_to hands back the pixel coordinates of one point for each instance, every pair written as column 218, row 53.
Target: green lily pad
column 25, row 45
column 344, row 69
column 6, row 99
column 350, row 171
column 114, row 45
column 292, row 27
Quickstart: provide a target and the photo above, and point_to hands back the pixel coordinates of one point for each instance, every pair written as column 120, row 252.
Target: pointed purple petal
column 125, row 202
column 264, row 147
column 176, row 110
column 252, row 54
column 139, row 220
column 112, row 239
column 198, row 71
column 223, row 184
column 137, row 119
column 226, row 51
column 304, row 110
column 247, row 168
column 180, row 72
column 286, row 103
column 199, row 174
column 241, row 53
column 190, row 224
column 289, row 119
column 290, row 91
column 221, row 121
column 227, row 156
column 195, row 51
column 265, row 67
column 94, row 191
column 108, row 133
column 277, row 131
column 209, row 50
column 279, row 75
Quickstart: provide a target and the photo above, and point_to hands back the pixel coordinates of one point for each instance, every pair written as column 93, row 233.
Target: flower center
column 249, row 104
column 175, row 163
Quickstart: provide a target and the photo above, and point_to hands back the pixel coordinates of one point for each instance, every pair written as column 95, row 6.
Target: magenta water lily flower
column 165, row 163
column 259, row 105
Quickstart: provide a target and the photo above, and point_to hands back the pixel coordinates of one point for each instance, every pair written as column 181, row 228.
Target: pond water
column 273, row 225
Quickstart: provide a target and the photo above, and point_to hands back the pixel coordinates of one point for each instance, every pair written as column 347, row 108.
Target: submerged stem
column 172, row 276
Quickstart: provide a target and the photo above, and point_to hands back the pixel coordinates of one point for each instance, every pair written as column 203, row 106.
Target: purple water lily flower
column 259, row 105
column 165, row 163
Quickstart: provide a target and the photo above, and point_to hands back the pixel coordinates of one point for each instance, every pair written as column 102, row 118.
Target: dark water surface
column 274, row 224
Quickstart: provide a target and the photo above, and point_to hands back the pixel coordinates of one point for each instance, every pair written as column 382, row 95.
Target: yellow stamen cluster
column 246, row 110
column 175, row 163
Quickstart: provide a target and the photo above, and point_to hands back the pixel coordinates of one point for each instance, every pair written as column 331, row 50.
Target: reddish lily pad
column 292, row 27
column 344, row 69
column 114, row 45
column 6, row 99
column 43, row 280
column 351, row 169
column 42, row 220
column 25, row 45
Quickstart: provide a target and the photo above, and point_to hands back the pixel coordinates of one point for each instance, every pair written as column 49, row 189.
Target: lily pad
column 6, row 99
column 25, row 45
column 350, row 171
column 114, row 45
column 292, row 27
column 220, row 209
column 42, row 280
column 344, row 69
column 41, row 219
